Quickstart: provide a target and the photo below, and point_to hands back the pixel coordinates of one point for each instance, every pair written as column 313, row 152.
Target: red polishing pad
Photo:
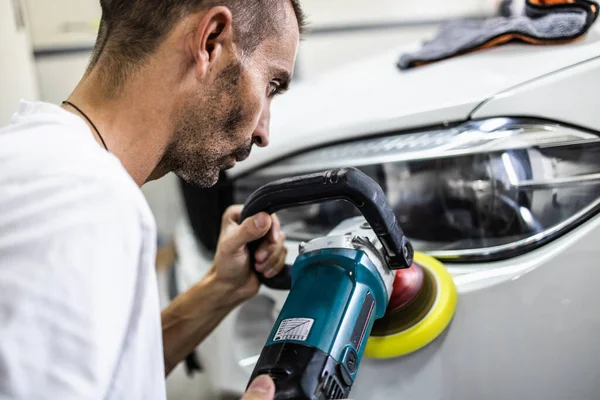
column 407, row 284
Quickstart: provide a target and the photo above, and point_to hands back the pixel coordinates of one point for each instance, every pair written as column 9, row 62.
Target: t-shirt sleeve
column 69, row 254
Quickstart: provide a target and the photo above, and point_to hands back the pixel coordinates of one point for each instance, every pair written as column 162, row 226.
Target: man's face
column 217, row 125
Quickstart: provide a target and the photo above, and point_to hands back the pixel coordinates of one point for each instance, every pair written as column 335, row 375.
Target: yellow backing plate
column 430, row 327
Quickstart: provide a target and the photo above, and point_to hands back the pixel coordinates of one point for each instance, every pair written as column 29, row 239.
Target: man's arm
column 193, row 315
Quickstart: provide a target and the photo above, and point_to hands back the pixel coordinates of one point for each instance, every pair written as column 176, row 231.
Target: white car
column 492, row 163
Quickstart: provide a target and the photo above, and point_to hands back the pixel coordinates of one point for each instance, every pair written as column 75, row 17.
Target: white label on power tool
column 294, row 329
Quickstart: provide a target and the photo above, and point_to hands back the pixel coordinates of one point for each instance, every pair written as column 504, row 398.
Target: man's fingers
column 231, row 216
column 277, row 265
column 262, row 388
column 264, row 253
column 253, row 228
column 269, row 257
column 233, row 213
column 269, row 247
column 275, row 232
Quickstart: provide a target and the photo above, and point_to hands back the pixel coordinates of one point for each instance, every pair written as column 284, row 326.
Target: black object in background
column 205, row 208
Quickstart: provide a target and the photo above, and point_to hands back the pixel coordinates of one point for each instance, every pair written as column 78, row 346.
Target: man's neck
column 133, row 128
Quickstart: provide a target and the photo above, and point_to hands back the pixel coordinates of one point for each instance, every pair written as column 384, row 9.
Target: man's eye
column 273, row 89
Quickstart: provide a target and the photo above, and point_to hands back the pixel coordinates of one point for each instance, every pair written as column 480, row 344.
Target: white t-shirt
column 79, row 308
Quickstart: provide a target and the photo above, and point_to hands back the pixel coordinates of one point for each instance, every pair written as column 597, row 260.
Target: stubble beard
column 204, row 126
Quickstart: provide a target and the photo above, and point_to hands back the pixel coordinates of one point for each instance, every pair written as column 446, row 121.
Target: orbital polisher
column 347, row 290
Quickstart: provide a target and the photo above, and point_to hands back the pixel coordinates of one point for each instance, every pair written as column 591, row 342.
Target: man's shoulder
column 45, row 156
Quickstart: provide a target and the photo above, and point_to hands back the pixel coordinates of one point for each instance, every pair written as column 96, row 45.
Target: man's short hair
column 130, row 30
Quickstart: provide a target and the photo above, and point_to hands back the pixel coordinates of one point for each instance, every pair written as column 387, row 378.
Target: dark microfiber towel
column 542, row 22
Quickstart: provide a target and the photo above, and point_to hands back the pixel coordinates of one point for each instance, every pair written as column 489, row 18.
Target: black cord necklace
column 89, row 120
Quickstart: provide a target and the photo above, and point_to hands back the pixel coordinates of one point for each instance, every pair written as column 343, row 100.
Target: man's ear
column 213, row 38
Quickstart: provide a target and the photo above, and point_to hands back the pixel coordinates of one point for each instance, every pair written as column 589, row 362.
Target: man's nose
column 261, row 133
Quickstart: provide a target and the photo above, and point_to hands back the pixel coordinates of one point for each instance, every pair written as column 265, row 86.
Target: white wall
column 63, row 23
column 59, row 74
column 17, row 75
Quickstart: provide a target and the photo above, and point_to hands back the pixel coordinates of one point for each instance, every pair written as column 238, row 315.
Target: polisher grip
column 349, row 184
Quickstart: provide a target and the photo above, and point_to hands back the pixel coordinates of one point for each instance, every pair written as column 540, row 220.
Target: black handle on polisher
column 349, row 184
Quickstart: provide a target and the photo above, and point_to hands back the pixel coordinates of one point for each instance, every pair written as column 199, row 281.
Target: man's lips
column 230, row 163
column 236, row 157
column 241, row 157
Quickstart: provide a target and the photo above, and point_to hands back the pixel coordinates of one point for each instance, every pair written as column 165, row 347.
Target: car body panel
column 374, row 96
column 566, row 96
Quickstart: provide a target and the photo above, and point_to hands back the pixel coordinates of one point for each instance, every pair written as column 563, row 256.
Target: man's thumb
column 251, row 229
column 262, row 388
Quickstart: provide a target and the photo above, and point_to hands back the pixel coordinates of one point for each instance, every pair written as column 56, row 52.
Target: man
column 173, row 85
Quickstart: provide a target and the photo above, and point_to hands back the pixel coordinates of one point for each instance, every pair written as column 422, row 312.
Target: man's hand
column 232, row 260
column 192, row 315
column 261, row 388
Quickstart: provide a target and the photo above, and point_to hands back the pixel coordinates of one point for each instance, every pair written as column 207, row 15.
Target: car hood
column 374, row 96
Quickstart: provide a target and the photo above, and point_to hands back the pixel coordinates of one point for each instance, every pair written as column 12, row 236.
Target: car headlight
column 478, row 191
